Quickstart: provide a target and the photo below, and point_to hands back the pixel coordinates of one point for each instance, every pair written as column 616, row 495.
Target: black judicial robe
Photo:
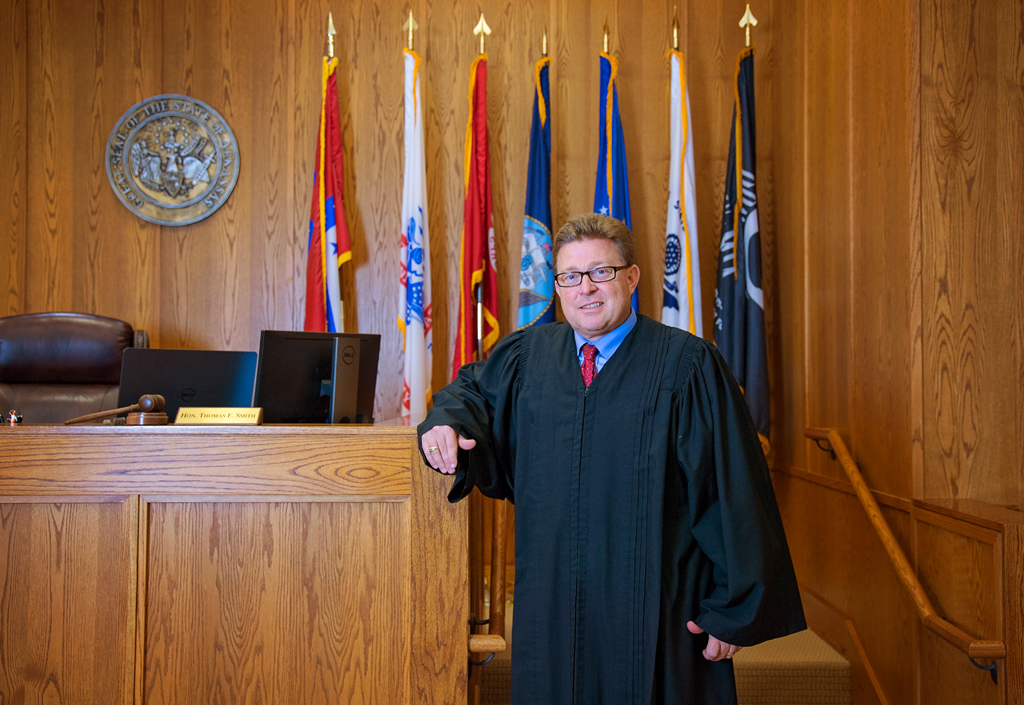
column 642, row 502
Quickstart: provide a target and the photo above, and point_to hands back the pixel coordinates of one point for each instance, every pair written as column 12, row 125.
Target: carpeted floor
column 800, row 669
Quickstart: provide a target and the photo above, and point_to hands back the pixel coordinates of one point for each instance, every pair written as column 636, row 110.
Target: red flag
column 477, row 259
column 329, row 245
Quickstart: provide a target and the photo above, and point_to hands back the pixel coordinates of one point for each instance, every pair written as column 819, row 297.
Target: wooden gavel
column 147, row 412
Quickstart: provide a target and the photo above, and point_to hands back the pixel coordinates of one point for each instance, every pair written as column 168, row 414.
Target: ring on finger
column 432, row 449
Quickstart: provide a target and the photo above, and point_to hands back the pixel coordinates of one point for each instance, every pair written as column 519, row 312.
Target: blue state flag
column 537, row 273
column 611, row 192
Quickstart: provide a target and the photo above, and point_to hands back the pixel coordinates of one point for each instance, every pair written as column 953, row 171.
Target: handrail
column 974, row 648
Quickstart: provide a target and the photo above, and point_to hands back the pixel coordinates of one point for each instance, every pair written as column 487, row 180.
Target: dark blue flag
column 739, row 298
column 611, row 192
column 537, row 274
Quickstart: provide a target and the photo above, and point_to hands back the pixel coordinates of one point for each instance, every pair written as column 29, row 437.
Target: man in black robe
column 645, row 515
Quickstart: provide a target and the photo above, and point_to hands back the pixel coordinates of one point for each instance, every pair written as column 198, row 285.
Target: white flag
column 414, row 312
column 681, row 307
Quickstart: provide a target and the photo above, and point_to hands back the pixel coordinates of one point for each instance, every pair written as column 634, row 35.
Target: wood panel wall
column 13, row 95
column 898, row 301
column 70, row 69
column 972, row 211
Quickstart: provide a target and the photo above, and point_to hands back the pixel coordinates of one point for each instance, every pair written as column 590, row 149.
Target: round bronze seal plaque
column 172, row 160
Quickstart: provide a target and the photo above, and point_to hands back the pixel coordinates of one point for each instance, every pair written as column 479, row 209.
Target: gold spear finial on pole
column 330, row 35
column 605, row 35
column 410, row 25
column 482, row 29
column 675, row 29
column 544, row 42
column 748, row 20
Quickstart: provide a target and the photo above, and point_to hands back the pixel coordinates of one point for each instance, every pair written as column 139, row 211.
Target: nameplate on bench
column 219, row 416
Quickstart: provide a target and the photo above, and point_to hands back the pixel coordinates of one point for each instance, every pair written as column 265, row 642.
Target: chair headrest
column 62, row 348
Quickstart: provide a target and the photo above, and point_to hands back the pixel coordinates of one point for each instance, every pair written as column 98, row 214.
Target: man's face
column 595, row 309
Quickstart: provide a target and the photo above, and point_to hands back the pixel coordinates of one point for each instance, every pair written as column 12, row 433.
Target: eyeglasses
column 597, row 275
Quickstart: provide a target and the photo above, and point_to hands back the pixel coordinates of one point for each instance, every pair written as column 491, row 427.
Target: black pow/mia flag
column 739, row 297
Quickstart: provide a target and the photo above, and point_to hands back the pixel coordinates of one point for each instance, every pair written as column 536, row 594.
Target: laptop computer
column 188, row 377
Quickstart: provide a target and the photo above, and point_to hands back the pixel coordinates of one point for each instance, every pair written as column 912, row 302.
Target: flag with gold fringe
column 537, row 273
column 611, row 190
column 329, row 245
column 477, row 266
column 681, row 303
column 739, row 297
column 414, row 308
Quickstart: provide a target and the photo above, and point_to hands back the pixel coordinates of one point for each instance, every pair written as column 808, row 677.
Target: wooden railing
column 974, row 648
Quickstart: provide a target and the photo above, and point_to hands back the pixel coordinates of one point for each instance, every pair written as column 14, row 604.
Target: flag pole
column 747, row 21
column 330, row 35
column 410, row 25
column 482, row 29
column 675, row 29
column 480, row 321
column 605, row 35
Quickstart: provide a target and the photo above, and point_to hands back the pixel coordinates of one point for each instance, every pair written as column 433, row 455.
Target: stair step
column 799, row 669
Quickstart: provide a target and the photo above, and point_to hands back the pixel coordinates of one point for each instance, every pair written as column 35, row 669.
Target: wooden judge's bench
column 273, row 564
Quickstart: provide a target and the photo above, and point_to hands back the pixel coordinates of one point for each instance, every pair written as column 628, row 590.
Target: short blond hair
column 594, row 226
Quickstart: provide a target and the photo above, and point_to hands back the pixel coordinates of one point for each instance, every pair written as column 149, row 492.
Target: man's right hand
column 441, row 447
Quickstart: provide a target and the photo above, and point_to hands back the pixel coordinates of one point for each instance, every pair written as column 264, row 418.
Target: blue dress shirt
column 606, row 344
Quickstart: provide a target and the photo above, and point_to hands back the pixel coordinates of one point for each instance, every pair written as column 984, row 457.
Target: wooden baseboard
column 838, row 630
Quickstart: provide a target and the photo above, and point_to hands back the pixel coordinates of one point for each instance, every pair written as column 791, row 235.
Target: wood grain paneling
column 1013, row 611
column 1007, row 306
column 961, row 574
column 829, row 278
column 439, row 609
column 210, row 53
column 225, row 610
column 972, row 76
column 115, row 267
column 880, row 255
column 277, row 247
column 90, row 61
column 787, row 293
column 64, row 593
column 839, row 631
column 13, row 162
column 225, row 596
column 916, row 255
column 51, row 109
column 838, row 556
column 189, row 461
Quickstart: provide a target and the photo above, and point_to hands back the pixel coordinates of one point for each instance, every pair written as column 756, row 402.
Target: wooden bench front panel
column 257, row 565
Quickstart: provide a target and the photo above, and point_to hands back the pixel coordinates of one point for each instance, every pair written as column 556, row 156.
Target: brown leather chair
column 55, row 366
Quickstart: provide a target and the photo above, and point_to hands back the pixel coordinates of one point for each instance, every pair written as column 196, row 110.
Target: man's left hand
column 715, row 650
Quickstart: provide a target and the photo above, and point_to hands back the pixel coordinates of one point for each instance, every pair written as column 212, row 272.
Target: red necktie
column 587, row 368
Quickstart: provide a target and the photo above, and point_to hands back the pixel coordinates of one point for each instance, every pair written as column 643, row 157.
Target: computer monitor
column 317, row 377
column 187, row 377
